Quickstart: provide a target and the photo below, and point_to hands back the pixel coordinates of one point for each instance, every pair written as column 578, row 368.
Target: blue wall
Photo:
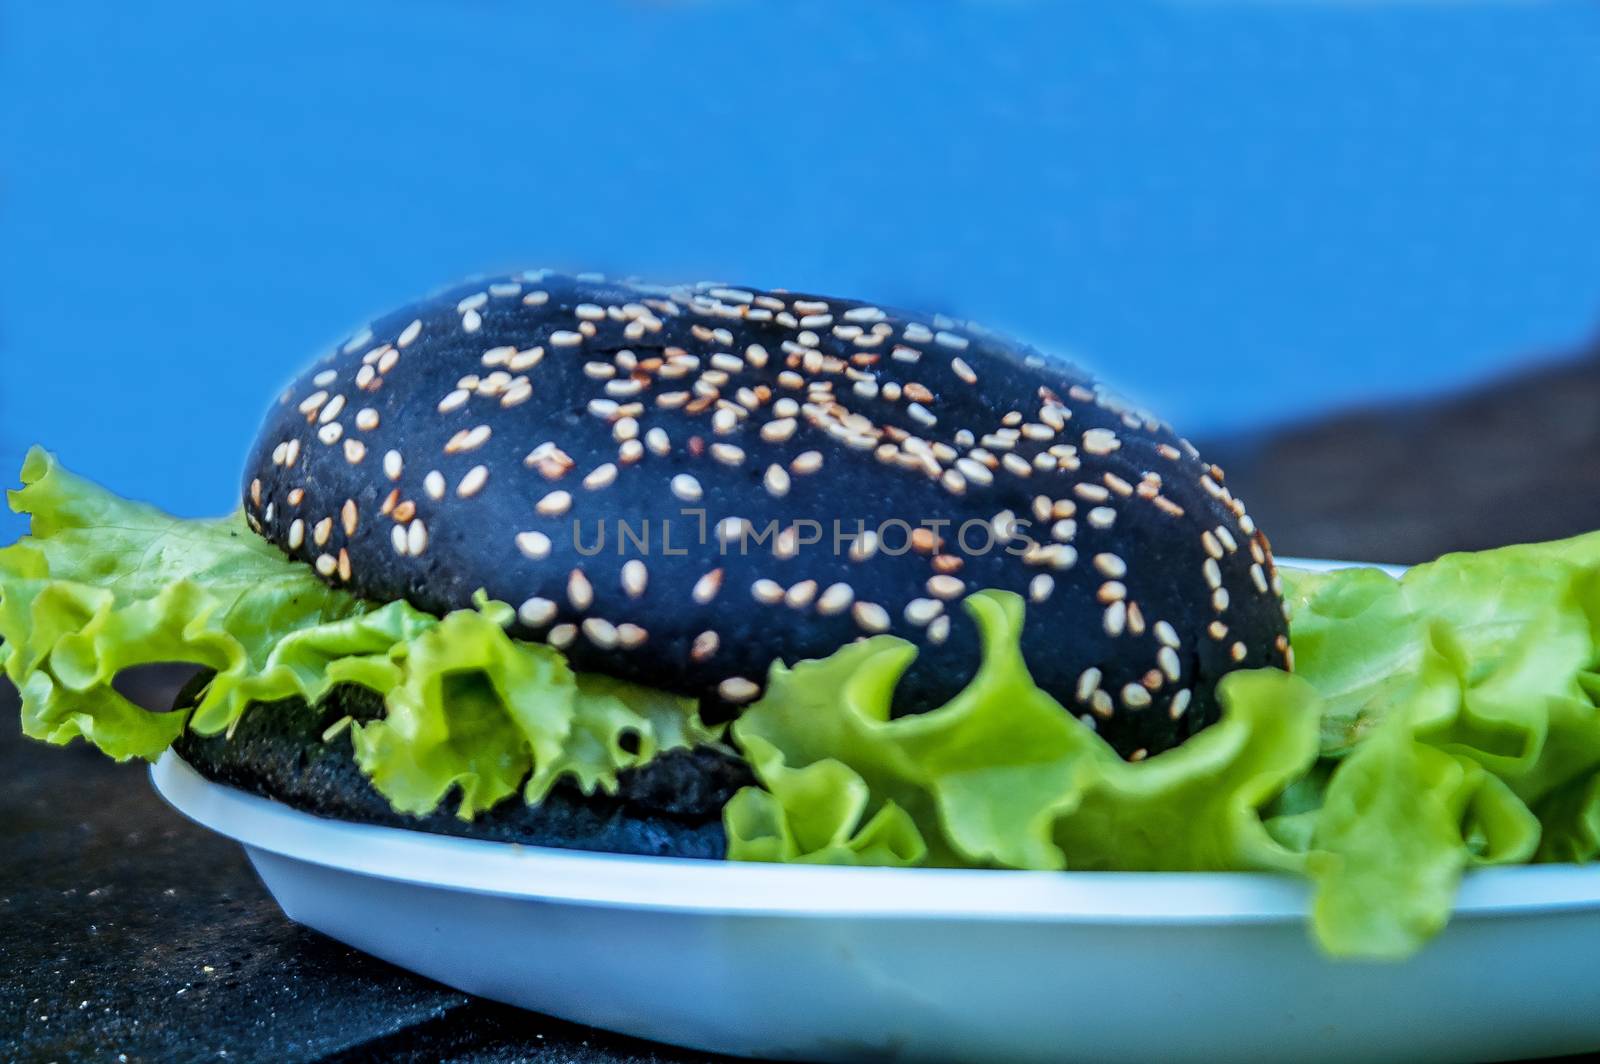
column 1240, row 213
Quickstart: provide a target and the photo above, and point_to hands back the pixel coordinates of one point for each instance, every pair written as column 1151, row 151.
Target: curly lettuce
column 1437, row 722
column 103, row 584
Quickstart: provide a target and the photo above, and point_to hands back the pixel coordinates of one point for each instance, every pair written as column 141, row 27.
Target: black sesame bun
column 459, row 442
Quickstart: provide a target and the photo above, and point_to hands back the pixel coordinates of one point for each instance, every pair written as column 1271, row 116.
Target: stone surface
column 127, row 930
column 1515, row 460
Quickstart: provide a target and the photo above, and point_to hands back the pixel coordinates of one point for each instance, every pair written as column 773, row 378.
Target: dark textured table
column 127, row 932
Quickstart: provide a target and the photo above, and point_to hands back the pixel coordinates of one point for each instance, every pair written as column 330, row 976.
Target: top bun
column 729, row 444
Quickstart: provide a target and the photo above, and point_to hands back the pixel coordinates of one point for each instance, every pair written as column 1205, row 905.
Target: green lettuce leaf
column 103, row 584
column 1436, row 722
column 1002, row 775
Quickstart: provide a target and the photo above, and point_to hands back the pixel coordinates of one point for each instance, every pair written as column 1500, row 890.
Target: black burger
column 684, row 487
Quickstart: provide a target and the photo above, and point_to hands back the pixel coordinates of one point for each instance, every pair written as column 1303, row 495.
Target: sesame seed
column 312, row 403
column 705, row 645
column 921, row 611
column 939, row 630
column 706, row 588
column 1219, row 600
column 656, row 439
column 1111, row 565
column 393, row 465
column 964, row 371
column 1088, row 683
column 297, row 533
column 1167, row 658
column 727, row 454
column 564, row 338
column 473, row 482
column 579, row 591
column 779, row 430
column 1100, row 441
column 835, row 599
column 349, row 516
column 366, row 419
column 1217, row 631
column 975, row 471
column 1180, row 702
column 1102, row 517
column 601, row 477
column 776, row 481
column 554, row 504
column 737, row 689
column 434, row 484
column 1115, row 618
column 454, row 401
column 766, row 591
column 1227, row 538
column 409, row 334
column 471, row 321
column 468, row 440
column 1111, row 591
column 525, row 360
column 416, row 538
column 1258, row 577
column 1040, row 587
column 945, row 339
column 537, row 612
column 534, row 545
column 1135, row 696
column 806, row 462
column 870, row 616
column 329, row 434
column 945, row 587
column 397, row 537
column 1091, row 492
column 1166, row 634
column 800, row 595
column 562, row 635
column 1210, row 543
column 327, row 564
column 601, row 633
column 864, row 545
column 321, row 531
column 1238, row 652
column 635, row 577
column 1213, row 573
column 686, row 488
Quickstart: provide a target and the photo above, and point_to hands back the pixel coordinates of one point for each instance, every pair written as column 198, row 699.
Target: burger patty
column 669, row 807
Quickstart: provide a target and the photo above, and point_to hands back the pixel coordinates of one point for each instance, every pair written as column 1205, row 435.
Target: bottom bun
column 670, row 807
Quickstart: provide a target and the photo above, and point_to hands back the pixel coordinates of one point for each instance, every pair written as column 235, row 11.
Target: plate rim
column 536, row 873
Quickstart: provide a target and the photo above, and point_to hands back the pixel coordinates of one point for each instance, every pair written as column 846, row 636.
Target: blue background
column 1241, row 214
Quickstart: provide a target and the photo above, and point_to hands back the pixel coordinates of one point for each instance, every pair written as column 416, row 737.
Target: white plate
column 847, row 964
